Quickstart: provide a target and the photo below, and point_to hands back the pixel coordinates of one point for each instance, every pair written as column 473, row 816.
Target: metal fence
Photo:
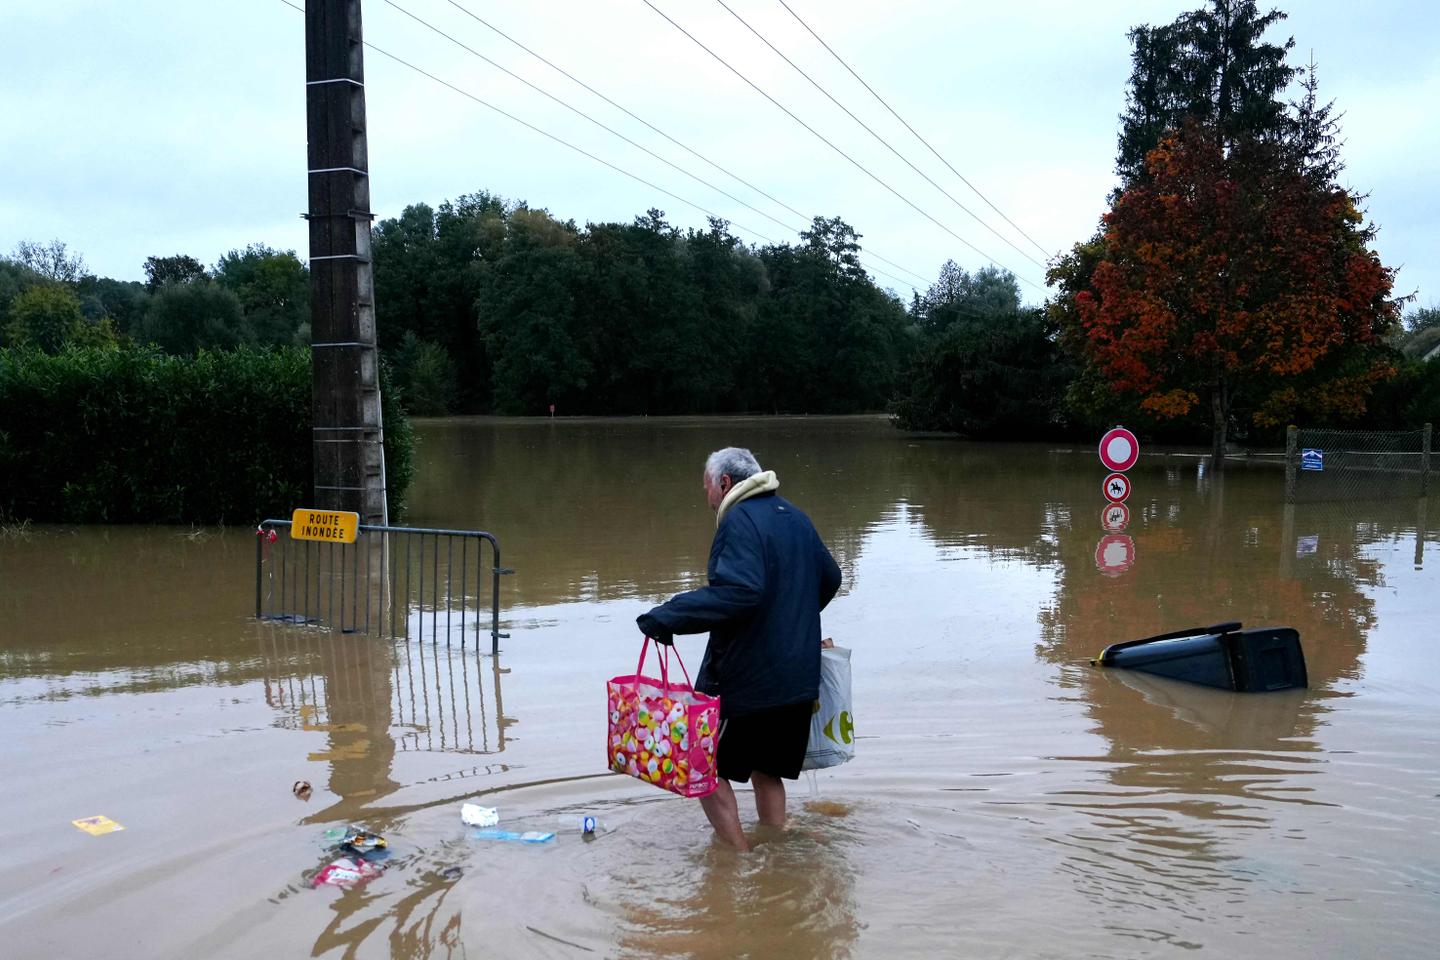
column 399, row 582
column 1356, row 464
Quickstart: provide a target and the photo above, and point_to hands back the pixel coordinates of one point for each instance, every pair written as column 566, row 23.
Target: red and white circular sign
column 1115, row 517
column 1116, row 487
column 1114, row 554
column 1119, row 449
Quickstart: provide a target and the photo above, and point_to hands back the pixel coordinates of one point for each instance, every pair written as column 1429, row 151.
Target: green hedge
column 136, row 436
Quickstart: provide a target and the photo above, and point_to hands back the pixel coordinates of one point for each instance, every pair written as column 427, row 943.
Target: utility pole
column 345, row 375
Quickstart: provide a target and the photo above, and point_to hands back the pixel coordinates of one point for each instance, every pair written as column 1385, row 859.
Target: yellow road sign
column 331, row 526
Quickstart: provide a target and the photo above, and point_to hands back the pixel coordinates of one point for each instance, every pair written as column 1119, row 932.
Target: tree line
column 492, row 306
column 489, row 306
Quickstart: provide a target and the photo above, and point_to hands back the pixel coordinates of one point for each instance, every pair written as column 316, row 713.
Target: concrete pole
column 349, row 462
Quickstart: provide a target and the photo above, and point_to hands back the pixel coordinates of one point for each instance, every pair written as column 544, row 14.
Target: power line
column 897, row 266
column 586, row 153
column 734, row 176
column 897, row 116
column 883, row 142
column 581, row 113
column 859, row 166
column 551, row 136
column 577, row 80
column 891, row 276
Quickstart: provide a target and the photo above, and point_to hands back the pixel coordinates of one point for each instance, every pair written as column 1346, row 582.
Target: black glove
column 654, row 629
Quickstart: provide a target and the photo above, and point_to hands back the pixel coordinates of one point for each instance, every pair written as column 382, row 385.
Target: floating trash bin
column 1222, row 655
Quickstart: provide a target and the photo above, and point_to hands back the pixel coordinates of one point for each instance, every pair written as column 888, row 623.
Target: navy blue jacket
column 770, row 576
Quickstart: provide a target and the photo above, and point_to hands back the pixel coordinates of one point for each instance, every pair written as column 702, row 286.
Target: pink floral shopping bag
column 661, row 732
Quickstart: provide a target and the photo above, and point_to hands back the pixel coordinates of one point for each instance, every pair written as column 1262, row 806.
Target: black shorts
column 772, row 741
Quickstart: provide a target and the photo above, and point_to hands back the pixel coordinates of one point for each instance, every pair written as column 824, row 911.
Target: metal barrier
column 1356, row 464
column 388, row 582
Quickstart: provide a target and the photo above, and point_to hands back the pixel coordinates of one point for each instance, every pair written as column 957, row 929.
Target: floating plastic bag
column 477, row 816
column 345, row 873
column 832, row 726
column 661, row 732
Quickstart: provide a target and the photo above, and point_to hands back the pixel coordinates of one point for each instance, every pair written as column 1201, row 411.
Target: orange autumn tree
column 1231, row 276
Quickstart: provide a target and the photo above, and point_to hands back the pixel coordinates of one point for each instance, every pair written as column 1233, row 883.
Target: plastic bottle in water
column 583, row 823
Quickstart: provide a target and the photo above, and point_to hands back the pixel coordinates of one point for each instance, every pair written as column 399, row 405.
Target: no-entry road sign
column 1116, row 487
column 1119, row 449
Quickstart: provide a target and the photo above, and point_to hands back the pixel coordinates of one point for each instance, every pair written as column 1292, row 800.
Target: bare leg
column 724, row 815
column 769, row 798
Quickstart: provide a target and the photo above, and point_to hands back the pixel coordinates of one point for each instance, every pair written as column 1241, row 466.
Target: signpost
column 1116, row 488
column 1312, row 459
column 329, row 526
column 1119, row 449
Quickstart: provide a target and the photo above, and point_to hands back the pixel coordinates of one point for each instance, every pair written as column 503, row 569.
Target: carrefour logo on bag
column 847, row 728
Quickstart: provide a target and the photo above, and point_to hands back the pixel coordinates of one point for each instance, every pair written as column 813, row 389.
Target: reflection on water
column 373, row 698
column 701, row 900
column 1007, row 800
column 1188, row 775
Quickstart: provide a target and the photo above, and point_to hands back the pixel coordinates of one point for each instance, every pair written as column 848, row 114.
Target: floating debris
column 346, row 873
column 477, row 816
column 529, row 836
column 97, row 825
column 361, row 840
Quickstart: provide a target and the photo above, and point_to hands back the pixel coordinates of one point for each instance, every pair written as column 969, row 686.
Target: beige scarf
column 759, row 483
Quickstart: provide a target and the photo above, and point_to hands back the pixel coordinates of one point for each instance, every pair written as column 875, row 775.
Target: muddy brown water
column 1007, row 800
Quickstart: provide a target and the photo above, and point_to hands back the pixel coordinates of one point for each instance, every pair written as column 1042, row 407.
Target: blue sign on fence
column 1312, row 459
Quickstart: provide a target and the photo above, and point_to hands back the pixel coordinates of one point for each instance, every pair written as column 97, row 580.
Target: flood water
column 1007, row 799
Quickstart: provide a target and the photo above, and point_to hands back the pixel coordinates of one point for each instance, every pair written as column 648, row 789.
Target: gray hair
column 735, row 462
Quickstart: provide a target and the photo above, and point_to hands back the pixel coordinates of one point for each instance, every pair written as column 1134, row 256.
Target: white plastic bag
column 832, row 727
column 477, row 816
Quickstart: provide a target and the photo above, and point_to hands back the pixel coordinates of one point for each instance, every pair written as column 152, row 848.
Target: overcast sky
column 148, row 127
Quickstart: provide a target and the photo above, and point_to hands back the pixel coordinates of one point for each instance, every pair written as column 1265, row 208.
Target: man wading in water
column 770, row 576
